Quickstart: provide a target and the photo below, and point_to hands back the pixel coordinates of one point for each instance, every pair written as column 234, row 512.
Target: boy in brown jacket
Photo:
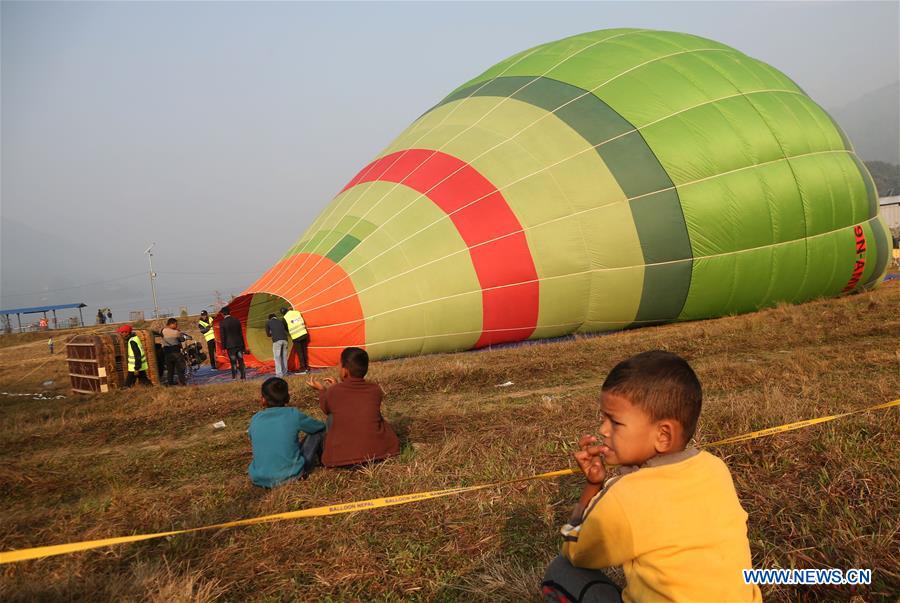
column 357, row 433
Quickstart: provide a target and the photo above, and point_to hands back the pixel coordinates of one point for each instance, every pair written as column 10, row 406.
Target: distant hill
column 39, row 268
column 873, row 124
column 28, row 256
column 886, row 177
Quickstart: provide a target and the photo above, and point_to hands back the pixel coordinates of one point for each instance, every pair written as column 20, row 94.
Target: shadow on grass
column 528, row 542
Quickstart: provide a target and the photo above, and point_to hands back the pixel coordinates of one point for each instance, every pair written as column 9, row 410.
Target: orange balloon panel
column 321, row 291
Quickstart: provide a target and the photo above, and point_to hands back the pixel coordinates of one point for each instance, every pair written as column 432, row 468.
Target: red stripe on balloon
column 510, row 290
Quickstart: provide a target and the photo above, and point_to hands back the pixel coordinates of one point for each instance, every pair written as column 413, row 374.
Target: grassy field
column 137, row 461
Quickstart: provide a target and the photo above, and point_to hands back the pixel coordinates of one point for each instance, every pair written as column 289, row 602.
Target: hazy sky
column 220, row 130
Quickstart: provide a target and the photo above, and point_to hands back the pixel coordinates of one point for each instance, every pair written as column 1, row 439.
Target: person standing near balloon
column 277, row 330
column 175, row 364
column 233, row 341
column 299, row 335
column 206, row 328
column 137, row 359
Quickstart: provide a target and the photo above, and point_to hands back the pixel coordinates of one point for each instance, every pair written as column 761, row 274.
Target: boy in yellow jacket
column 671, row 518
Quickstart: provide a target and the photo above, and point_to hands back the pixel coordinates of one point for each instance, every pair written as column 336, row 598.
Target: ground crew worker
column 206, row 327
column 233, row 341
column 276, row 328
column 299, row 335
column 137, row 359
column 175, row 364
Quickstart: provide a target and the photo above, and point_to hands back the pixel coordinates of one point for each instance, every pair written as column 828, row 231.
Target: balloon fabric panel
column 611, row 179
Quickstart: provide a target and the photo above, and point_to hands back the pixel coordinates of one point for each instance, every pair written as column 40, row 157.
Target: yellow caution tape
column 377, row 503
column 798, row 425
column 351, row 507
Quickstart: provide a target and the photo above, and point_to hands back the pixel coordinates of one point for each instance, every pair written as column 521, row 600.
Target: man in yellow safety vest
column 206, row 327
column 299, row 335
column 137, row 359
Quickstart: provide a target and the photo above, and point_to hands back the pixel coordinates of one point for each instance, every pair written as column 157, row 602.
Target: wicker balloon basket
column 98, row 363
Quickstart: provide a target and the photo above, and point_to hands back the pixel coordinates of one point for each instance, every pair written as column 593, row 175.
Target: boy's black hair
column 356, row 361
column 226, row 311
column 661, row 383
column 275, row 391
column 271, row 316
column 171, row 321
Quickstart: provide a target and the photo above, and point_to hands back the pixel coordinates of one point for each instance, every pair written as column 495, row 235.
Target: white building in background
column 890, row 210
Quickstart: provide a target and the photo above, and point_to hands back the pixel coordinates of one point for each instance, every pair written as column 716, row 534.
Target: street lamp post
column 149, row 253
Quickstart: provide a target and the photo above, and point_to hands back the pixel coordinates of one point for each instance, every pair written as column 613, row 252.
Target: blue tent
column 43, row 310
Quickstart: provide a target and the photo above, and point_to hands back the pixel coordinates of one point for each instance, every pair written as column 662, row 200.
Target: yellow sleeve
column 603, row 539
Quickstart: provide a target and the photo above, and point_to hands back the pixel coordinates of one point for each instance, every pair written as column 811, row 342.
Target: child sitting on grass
column 278, row 455
column 672, row 517
column 357, row 431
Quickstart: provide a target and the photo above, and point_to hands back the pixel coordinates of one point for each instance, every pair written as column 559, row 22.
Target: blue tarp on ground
column 205, row 375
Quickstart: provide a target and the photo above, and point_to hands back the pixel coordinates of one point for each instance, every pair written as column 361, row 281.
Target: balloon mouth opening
column 318, row 288
column 253, row 310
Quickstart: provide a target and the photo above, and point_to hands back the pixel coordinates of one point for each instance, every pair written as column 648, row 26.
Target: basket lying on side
column 98, row 363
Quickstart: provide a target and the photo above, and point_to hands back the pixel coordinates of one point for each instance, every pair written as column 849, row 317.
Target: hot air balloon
column 609, row 180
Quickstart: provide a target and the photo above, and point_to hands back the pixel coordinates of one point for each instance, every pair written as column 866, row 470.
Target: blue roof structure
column 39, row 309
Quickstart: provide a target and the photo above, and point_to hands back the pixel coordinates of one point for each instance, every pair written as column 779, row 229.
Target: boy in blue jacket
column 278, row 454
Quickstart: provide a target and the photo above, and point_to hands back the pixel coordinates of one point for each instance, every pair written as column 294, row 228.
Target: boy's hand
column 590, row 461
column 319, row 385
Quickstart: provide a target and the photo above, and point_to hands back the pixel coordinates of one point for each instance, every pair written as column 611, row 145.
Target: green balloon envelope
column 612, row 179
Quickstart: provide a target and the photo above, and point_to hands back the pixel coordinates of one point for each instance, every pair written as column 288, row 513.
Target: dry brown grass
column 148, row 460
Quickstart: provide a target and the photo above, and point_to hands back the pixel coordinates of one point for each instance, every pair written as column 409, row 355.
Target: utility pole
column 149, row 253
